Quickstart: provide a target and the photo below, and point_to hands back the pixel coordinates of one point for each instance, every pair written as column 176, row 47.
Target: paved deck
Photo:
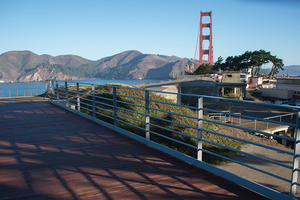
column 49, row 153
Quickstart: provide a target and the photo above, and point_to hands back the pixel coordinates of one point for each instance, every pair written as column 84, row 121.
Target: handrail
column 121, row 111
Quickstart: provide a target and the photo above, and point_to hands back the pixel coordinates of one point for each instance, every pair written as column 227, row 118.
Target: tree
column 250, row 60
column 204, row 69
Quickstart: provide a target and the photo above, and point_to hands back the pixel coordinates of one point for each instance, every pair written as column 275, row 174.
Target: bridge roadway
column 50, row 153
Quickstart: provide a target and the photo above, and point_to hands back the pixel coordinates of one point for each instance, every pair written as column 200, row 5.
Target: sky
column 95, row 29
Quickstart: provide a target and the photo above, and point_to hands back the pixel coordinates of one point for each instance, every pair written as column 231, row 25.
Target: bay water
column 36, row 88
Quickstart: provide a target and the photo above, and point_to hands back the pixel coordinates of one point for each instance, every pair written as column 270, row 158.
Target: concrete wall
column 202, row 87
column 231, row 77
column 277, row 93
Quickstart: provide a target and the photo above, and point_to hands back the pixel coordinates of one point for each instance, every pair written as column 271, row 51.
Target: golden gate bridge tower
column 205, row 51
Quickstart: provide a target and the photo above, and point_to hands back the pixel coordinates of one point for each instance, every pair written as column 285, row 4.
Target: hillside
column 28, row 66
column 291, row 70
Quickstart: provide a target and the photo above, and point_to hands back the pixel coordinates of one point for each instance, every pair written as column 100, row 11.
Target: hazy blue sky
column 95, row 29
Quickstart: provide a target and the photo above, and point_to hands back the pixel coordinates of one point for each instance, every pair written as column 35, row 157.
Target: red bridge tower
column 203, row 59
column 208, row 51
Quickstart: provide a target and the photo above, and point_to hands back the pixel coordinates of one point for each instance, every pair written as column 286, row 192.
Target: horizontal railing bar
column 143, row 114
column 174, row 140
column 90, row 100
column 212, row 97
column 142, row 121
column 247, row 141
column 122, row 121
column 174, row 131
column 102, row 92
column 99, row 97
column 139, row 98
column 105, row 104
column 130, row 104
column 209, row 97
column 85, row 94
column 248, row 154
column 70, row 86
column 173, row 104
column 246, row 165
column 174, row 122
column 249, row 117
column 296, row 183
column 84, row 108
column 85, row 104
column 72, row 95
column 247, row 129
column 104, row 115
column 283, row 115
column 191, row 117
column 110, row 111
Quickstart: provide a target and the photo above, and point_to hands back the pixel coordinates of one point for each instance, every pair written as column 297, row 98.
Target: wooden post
column 16, row 92
column 30, row 92
column 36, row 92
column 147, row 115
column 9, row 92
column 24, row 92
column 200, row 123
column 1, row 91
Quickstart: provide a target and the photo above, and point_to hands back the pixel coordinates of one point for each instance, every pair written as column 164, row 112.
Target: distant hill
column 28, row 66
column 292, row 70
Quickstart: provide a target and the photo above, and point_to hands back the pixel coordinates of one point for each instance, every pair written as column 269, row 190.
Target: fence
column 185, row 132
column 22, row 89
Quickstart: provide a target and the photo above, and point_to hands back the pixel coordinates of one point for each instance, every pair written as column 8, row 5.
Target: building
column 287, row 88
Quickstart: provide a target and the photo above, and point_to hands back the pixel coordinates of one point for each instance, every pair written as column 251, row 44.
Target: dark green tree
column 204, row 69
column 250, row 60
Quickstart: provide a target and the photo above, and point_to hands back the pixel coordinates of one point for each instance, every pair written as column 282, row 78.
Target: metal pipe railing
column 95, row 104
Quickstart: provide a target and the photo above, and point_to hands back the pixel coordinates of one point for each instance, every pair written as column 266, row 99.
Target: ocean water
column 34, row 88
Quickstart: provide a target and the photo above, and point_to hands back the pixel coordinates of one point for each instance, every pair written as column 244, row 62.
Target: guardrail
column 17, row 92
column 138, row 113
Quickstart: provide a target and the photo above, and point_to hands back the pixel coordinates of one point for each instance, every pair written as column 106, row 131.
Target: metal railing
column 140, row 114
column 20, row 92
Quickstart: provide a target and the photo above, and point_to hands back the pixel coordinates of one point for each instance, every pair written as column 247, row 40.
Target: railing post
column 57, row 91
column 178, row 94
column 78, row 97
column 199, row 133
column 255, row 124
column 93, row 101
column 115, row 106
column 147, row 115
column 66, row 93
column 296, row 158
